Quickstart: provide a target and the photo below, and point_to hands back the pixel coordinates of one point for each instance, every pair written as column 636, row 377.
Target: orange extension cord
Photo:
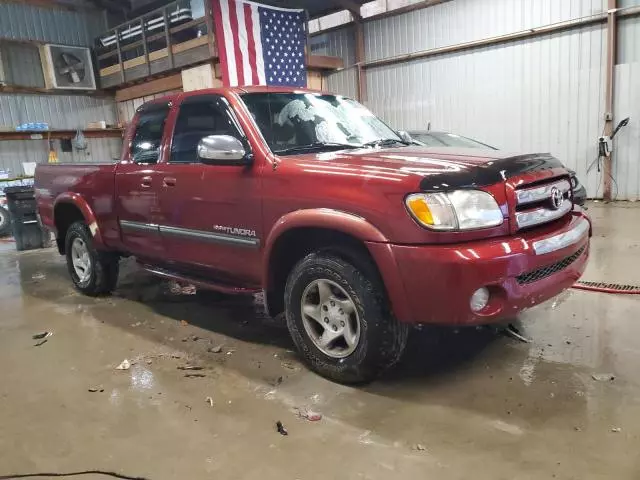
column 602, row 287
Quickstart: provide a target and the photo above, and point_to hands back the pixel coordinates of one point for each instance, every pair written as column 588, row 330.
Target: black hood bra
column 490, row 173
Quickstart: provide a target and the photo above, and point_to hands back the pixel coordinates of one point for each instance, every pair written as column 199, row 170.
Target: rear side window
column 200, row 117
column 145, row 146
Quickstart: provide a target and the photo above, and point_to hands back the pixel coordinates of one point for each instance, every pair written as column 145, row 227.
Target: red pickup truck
column 347, row 227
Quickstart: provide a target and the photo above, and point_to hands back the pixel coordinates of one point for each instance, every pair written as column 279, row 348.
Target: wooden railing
column 149, row 38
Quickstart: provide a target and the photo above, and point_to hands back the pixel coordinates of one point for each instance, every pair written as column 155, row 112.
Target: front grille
column 542, row 203
column 544, row 272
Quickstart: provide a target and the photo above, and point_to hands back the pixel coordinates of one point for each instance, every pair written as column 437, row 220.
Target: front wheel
column 340, row 321
column 92, row 272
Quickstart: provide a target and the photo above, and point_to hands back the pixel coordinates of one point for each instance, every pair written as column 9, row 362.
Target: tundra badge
column 241, row 232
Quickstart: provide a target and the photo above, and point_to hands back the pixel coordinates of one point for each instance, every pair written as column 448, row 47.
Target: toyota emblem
column 557, row 198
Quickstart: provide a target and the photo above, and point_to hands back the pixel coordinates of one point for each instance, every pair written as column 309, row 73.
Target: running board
column 199, row 282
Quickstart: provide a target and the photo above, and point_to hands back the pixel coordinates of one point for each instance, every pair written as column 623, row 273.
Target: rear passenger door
column 138, row 183
column 199, row 202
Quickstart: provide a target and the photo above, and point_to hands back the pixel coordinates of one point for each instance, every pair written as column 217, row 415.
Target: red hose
column 589, row 288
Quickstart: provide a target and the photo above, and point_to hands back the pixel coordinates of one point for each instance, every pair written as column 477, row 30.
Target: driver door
column 212, row 212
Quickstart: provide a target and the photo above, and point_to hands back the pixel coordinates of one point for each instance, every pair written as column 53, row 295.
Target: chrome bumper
column 562, row 240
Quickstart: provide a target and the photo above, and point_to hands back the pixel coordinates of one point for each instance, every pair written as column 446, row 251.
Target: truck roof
column 237, row 90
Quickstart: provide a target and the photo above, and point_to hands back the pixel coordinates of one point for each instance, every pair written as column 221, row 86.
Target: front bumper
column 438, row 280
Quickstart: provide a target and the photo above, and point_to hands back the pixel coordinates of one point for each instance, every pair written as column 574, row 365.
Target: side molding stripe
column 189, row 234
column 138, row 226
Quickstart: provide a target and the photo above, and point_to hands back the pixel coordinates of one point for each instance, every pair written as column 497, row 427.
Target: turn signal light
column 420, row 209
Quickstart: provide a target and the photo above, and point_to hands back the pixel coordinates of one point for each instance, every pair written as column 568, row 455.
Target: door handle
column 146, row 182
column 169, row 182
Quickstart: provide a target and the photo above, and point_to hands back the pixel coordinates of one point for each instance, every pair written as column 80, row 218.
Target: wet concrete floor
column 466, row 404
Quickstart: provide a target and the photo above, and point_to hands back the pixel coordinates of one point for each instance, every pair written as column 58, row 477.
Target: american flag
column 260, row 45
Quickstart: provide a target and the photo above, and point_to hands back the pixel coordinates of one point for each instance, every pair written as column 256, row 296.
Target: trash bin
column 27, row 231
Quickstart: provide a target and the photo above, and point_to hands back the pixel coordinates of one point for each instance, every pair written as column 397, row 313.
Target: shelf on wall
column 61, row 134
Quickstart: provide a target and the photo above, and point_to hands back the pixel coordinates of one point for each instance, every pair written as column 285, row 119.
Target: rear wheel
column 5, row 222
column 92, row 272
column 340, row 321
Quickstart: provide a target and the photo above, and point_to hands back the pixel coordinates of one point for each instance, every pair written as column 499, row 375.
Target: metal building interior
column 440, row 282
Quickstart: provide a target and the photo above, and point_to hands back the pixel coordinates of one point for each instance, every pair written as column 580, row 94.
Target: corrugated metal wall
column 340, row 43
column 22, row 67
column 29, row 22
column 627, row 104
column 60, row 112
column 539, row 94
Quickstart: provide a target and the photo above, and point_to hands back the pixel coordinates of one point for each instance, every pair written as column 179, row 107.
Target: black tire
column 5, row 222
column 382, row 337
column 104, row 265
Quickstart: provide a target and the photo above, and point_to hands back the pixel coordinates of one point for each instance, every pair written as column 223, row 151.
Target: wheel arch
column 299, row 233
column 68, row 209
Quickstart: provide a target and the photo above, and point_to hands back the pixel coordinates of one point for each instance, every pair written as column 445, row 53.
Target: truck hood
column 436, row 168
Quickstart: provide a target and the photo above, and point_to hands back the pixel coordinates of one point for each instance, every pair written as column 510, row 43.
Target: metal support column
column 167, row 36
column 360, row 58
column 612, row 35
column 145, row 47
column 120, row 61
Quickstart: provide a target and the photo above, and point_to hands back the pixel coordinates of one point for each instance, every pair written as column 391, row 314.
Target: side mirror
column 221, row 150
column 406, row 138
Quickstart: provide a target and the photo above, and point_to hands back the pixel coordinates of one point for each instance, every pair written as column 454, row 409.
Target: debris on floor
column 38, row 276
column 364, row 438
column 419, row 447
column 195, row 375
column 189, row 367
column 125, row 365
column 276, row 381
column 40, row 336
column 280, row 428
column 98, row 388
column 177, row 289
column 209, row 400
column 512, row 331
column 603, row 377
column 289, row 366
column 216, row 349
column 616, row 430
column 309, row 414
column 184, row 323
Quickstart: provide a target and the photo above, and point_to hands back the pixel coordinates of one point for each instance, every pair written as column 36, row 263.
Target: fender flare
column 358, row 227
column 344, row 222
column 79, row 202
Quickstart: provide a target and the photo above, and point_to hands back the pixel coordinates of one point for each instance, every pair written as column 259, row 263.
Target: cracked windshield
column 304, row 122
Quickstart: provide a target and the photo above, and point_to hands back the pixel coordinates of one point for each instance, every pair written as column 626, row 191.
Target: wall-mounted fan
column 68, row 67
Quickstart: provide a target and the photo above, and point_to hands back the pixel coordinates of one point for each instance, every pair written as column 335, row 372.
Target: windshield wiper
column 316, row 146
column 384, row 142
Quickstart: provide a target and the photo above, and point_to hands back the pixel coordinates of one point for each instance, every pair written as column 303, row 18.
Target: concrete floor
column 482, row 405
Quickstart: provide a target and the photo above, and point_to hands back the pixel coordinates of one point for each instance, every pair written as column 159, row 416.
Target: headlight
column 458, row 210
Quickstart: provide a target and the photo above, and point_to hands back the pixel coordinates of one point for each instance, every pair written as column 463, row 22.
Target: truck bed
column 93, row 181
